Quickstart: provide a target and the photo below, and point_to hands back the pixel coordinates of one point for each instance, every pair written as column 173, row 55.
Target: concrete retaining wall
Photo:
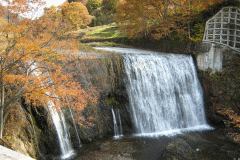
column 8, row 154
column 211, row 59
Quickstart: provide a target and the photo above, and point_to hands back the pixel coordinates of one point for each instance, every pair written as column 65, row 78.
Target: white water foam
column 62, row 131
column 117, row 125
column 165, row 95
column 164, row 91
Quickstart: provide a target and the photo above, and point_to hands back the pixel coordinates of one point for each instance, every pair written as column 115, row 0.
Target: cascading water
column 120, row 123
column 117, row 126
column 79, row 141
column 62, row 131
column 59, row 122
column 165, row 94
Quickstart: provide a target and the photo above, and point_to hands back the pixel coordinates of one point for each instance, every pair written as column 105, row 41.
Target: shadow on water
column 189, row 145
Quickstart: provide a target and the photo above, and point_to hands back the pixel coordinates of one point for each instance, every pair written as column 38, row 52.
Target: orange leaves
column 67, row 89
column 36, row 62
column 157, row 19
column 59, row 87
column 61, row 19
column 140, row 18
column 76, row 13
column 236, row 120
column 14, row 79
column 235, row 136
column 234, row 117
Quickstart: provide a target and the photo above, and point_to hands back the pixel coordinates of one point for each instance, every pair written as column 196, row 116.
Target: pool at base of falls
column 175, row 131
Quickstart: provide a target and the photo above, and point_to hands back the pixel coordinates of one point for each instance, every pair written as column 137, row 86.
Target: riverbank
column 189, row 145
column 107, row 74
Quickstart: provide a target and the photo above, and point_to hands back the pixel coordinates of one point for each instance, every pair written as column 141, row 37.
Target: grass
column 89, row 37
column 107, row 32
column 100, row 35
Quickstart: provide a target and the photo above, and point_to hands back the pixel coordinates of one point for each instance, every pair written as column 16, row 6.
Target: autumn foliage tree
column 158, row 19
column 32, row 58
column 76, row 13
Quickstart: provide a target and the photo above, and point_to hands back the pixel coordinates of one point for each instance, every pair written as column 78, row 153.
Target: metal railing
column 224, row 28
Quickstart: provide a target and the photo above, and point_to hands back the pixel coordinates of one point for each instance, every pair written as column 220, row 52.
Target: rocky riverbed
column 190, row 145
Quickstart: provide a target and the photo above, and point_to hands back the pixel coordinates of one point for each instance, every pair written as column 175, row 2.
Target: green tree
column 109, row 6
column 92, row 5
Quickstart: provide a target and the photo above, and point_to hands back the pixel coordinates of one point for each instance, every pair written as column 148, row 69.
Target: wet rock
column 19, row 134
column 178, row 149
column 96, row 121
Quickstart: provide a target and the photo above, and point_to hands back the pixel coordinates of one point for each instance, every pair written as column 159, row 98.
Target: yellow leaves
column 67, row 15
column 10, row 78
column 3, row 21
column 15, row 79
column 141, row 18
column 76, row 13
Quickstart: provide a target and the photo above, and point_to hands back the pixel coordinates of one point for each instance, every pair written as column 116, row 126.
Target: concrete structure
column 224, row 28
column 212, row 59
column 8, row 154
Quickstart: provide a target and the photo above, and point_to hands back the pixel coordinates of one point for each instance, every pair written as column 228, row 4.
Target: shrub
column 92, row 5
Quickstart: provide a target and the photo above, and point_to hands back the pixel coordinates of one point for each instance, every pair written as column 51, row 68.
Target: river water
column 190, row 145
column 165, row 97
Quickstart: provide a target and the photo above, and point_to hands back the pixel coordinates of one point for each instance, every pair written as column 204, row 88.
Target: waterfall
column 62, row 131
column 165, row 94
column 120, row 123
column 59, row 121
column 79, row 141
column 117, row 126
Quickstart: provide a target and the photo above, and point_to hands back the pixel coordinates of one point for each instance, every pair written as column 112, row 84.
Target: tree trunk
column 2, row 104
column 1, row 122
column 1, row 109
column 189, row 21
